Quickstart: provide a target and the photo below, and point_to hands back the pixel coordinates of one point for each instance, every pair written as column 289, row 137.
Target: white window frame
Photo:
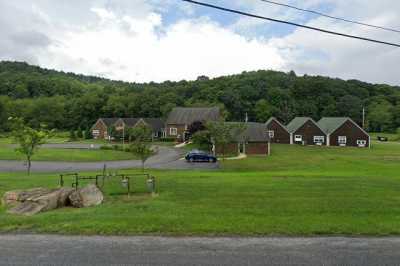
column 319, row 139
column 95, row 132
column 342, row 140
column 173, row 131
column 271, row 134
column 298, row 138
column 361, row 143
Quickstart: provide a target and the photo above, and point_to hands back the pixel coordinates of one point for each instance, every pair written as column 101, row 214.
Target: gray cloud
column 30, row 32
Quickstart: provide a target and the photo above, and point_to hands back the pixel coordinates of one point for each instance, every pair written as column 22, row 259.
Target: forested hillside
column 69, row 101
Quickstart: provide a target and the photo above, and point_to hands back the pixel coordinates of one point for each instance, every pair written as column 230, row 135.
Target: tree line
column 67, row 101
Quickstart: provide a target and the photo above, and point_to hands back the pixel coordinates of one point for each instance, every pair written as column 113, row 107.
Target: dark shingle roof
column 155, row 123
column 275, row 119
column 330, row 124
column 186, row 116
column 130, row 121
column 254, row 132
column 109, row 121
column 297, row 122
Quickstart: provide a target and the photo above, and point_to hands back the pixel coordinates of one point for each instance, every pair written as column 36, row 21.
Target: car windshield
column 198, row 152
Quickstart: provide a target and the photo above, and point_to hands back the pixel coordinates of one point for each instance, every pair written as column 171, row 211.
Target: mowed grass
column 382, row 160
column 66, row 155
column 297, row 191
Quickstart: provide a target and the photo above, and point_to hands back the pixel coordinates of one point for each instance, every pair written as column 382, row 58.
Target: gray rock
column 37, row 203
column 36, row 200
column 86, row 197
column 63, row 199
column 16, row 196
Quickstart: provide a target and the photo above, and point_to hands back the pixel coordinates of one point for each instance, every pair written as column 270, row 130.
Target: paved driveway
column 166, row 158
column 70, row 250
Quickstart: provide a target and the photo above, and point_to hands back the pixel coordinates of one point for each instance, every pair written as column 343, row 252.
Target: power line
column 290, row 23
column 332, row 17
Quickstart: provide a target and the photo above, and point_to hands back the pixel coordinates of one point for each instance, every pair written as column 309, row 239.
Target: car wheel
column 214, row 160
column 191, row 160
column 209, row 160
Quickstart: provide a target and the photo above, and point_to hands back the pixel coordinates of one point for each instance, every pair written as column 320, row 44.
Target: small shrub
column 79, row 133
column 106, row 147
column 72, row 135
column 87, row 134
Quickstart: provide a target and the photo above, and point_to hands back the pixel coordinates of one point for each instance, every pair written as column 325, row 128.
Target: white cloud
column 142, row 40
column 136, row 50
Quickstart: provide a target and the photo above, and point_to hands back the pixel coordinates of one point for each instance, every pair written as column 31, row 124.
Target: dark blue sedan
column 200, row 156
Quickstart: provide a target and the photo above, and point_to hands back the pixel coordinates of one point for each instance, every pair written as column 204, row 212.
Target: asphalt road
column 66, row 250
column 166, row 158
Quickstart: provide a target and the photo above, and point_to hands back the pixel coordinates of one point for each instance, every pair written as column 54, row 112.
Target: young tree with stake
column 141, row 145
column 28, row 139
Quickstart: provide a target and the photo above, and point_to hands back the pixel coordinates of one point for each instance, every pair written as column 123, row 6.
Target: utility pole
column 363, row 118
column 123, row 137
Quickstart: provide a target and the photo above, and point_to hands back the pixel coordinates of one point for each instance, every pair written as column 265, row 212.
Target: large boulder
column 36, row 200
column 87, row 196
column 14, row 197
column 63, row 198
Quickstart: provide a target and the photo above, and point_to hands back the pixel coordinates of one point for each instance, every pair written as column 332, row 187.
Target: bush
column 87, row 134
column 79, row 133
column 106, row 147
column 202, row 140
column 72, row 135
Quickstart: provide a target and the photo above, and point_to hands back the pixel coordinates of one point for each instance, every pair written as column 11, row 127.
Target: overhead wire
column 290, row 23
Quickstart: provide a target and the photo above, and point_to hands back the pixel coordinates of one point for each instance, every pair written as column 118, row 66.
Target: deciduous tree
column 28, row 139
column 141, row 145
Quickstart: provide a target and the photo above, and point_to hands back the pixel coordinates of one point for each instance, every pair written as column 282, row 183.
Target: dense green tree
column 68, row 101
column 350, row 106
column 264, row 110
column 380, row 116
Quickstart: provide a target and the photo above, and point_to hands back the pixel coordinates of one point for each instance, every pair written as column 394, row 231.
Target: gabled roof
column 275, row 119
column 109, row 121
column 331, row 124
column 186, row 116
column 297, row 122
column 130, row 121
column 253, row 132
column 155, row 123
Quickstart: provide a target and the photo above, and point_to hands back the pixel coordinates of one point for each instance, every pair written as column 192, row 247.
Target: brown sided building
column 304, row 130
column 343, row 131
column 156, row 125
column 181, row 118
column 277, row 132
column 102, row 127
column 253, row 140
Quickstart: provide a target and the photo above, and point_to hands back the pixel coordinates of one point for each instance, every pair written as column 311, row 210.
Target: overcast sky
column 157, row 40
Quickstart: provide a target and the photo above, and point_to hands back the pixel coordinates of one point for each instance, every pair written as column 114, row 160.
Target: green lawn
column 67, row 155
column 382, row 160
column 390, row 136
column 297, row 191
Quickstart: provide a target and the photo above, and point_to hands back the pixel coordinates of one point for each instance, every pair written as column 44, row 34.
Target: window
column 173, row 131
column 361, row 143
column 342, row 140
column 271, row 134
column 319, row 139
column 298, row 138
column 96, row 132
